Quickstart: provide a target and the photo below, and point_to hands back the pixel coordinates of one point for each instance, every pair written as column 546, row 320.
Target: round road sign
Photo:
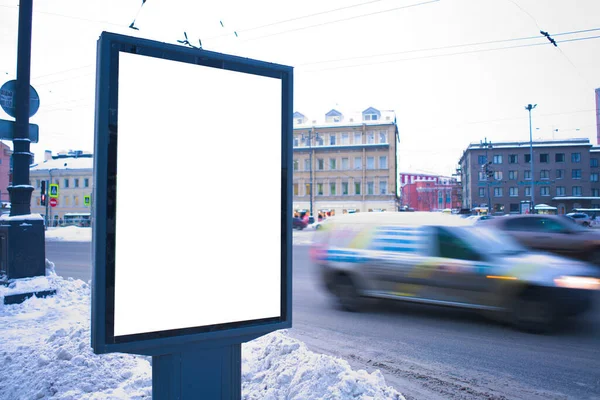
column 53, row 202
column 8, row 99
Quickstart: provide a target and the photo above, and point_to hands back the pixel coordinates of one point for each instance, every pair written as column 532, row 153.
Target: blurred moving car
column 479, row 218
column 432, row 259
column 552, row 233
column 580, row 218
column 299, row 223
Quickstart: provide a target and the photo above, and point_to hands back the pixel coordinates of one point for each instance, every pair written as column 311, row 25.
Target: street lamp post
column 530, row 107
column 487, row 145
column 310, row 168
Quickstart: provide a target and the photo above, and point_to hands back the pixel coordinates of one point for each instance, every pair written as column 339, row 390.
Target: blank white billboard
column 198, row 207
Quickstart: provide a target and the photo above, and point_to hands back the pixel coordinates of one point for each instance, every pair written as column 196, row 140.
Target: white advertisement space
column 199, row 160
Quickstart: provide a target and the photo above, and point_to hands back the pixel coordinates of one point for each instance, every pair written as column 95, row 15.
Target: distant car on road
column 552, row 233
column 580, row 218
column 299, row 223
column 432, row 259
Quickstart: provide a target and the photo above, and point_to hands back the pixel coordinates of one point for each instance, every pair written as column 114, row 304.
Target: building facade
column 73, row 173
column 425, row 192
column 345, row 163
column 565, row 175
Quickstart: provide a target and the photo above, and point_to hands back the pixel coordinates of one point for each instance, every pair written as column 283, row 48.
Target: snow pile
column 45, row 353
column 70, row 233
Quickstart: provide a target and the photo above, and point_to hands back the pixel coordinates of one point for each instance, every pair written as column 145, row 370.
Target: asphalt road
column 425, row 352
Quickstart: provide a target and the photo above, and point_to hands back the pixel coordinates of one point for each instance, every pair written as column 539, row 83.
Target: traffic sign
column 53, row 202
column 7, row 131
column 53, row 191
column 8, row 99
column 87, row 200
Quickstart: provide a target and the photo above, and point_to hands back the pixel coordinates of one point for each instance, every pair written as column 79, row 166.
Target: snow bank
column 45, row 353
column 70, row 233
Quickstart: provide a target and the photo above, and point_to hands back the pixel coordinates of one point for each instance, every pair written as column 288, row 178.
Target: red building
column 424, row 192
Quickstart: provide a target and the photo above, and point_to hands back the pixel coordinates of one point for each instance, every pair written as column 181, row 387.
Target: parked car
column 299, row 223
column 580, row 218
column 552, row 233
column 432, row 259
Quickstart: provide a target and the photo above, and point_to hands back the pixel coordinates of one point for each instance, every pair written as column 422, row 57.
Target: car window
column 451, row 246
column 552, row 226
column 523, row 224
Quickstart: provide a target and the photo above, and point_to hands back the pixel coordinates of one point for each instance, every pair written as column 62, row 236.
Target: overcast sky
column 415, row 57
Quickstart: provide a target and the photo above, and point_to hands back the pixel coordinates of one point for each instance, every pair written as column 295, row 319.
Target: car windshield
column 490, row 241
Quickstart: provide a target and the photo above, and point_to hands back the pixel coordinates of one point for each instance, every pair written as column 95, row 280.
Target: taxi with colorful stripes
column 440, row 259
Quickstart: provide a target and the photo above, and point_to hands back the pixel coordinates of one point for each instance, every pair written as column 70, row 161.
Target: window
column 319, row 140
column 560, row 174
column 513, row 158
column 527, row 158
column 345, row 139
column 576, row 191
column 357, row 138
column 370, row 162
column 371, row 117
column 295, row 165
column 560, row 191
column 38, row 183
column 370, row 137
column 481, row 160
column 345, row 163
column 357, row 187
column 332, row 189
column 595, row 193
column 383, row 162
column 593, row 162
column 527, row 174
column 67, row 201
column 545, row 191
column 594, row 177
column 576, row 174
column 514, row 207
column 544, row 157
column 332, row 138
column 513, row 175
column 383, row 187
column 497, row 159
column 528, row 191
column 296, row 190
column 498, row 175
column 307, row 164
column 559, row 157
column 370, row 187
column 296, row 140
column 319, row 189
column 498, row 192
column 307, row 189
column 357, row 162
column 575, row 157
column 332, row 164
column 320, row 164
column 76, row 182
column 513, row 191
column 451, row 246
column 345, row 188
column 482, row 176
column 481, row 192
column 66, row 182
column 544, row 174
column 383, row 137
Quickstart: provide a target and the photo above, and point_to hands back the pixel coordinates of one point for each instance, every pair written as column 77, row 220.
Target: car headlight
column 578, row 282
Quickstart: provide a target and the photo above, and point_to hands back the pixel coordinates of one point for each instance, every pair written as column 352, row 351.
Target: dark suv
column 552, row 233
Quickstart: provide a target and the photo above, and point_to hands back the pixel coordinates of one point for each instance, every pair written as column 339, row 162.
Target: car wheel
column 347, row 295
column 534, row 312
column 318, row 227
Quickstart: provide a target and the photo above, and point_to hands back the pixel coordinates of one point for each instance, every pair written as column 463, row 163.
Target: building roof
column 350, row 119
column 535, row 143
column 65, row 163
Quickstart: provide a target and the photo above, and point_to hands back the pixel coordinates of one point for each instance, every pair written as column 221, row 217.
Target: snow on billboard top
column 174, row 153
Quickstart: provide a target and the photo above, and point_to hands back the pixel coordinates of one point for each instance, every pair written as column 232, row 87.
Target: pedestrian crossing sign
column 87, row 200
column 53, row 191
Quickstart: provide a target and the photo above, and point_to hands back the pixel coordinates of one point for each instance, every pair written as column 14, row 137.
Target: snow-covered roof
column 354, row 118
column 535, row 143
column 65, row 163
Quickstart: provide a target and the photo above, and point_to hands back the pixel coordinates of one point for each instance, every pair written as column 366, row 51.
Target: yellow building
column 73, row 173
column 349, row 161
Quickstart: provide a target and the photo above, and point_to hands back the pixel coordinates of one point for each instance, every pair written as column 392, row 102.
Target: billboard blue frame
column 109, row 47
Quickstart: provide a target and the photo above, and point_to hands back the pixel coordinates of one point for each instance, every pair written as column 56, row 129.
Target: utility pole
column 530, row 107
column 489, row 173
column 310, row 159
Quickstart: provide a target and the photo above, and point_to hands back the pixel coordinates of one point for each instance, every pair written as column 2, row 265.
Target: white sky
column 46, row 352
column 442, row 102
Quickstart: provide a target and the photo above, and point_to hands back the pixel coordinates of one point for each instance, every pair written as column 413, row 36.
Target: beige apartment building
column 349, row 162
column 73, row 173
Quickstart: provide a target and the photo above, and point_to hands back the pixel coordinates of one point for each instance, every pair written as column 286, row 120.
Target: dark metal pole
column 20, row 191
column 530, row 107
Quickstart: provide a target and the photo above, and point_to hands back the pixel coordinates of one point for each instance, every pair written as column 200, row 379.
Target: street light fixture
column 530, row 107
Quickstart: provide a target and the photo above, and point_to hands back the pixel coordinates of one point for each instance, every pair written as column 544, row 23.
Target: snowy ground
column 45, row 353
column 70, row 233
